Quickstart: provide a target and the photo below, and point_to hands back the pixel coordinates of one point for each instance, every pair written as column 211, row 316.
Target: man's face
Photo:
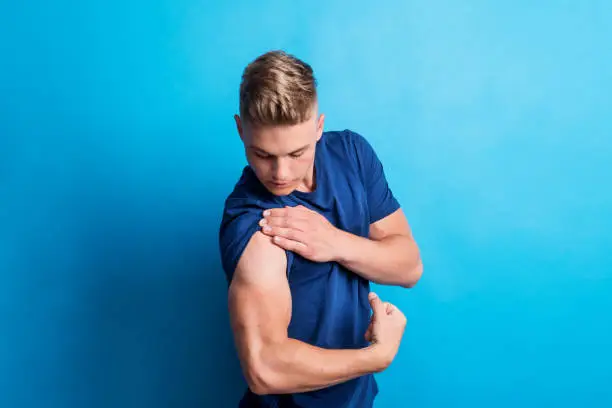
column 282, row 157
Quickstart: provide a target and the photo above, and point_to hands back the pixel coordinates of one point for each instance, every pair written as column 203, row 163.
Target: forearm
column 394, row 260
column 292, row 366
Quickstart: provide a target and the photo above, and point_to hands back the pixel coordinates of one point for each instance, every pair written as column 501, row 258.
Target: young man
column 308, row 226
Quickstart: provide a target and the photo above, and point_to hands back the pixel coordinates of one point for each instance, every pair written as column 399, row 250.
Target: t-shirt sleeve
column 381, row 201
column 240, row 221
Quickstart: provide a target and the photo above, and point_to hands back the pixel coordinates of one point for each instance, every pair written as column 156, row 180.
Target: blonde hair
column 277, row 89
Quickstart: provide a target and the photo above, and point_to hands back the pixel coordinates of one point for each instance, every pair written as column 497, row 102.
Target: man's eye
column 262, row 156
column 296, row 155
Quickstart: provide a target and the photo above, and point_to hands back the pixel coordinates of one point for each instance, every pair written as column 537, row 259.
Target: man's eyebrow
column 299, row 150
column 258, row 149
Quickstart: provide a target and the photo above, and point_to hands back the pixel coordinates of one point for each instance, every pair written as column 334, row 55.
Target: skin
column 260, row 301
column 272, row 362
column 282, row 157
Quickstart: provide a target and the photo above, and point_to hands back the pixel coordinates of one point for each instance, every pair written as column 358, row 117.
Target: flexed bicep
column 259, row 306
column 260, row 310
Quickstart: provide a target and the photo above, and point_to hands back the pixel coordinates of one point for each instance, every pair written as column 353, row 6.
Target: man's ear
column 239, row 126
column 320, row 126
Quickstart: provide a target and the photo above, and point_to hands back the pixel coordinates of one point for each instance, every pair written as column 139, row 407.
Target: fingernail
column 266, row 213
column 263, row 222
column 372, row 295
column 267, row 229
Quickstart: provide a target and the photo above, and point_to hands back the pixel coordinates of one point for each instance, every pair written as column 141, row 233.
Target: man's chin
column 280, row 191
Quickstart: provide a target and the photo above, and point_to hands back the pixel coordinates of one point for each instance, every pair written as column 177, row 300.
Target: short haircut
column 277, row 89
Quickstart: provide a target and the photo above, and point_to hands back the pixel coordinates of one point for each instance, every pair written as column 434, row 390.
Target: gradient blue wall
column 117, row 148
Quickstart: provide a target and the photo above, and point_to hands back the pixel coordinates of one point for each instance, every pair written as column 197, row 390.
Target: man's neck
column 309, row 184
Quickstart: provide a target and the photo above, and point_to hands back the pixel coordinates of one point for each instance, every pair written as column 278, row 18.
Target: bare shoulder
column 262, row 263
column 259, row 295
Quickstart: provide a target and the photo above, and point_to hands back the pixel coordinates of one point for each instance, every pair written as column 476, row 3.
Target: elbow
column 261, row 377
column 258, row 386
column 413, row 277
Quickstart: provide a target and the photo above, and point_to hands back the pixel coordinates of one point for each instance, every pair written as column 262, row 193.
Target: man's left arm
column 389, row 256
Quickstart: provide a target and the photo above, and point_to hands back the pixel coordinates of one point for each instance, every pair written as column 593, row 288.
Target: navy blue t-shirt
column 330, row 303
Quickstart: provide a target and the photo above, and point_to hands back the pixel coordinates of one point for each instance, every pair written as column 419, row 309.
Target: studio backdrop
column 118, row 148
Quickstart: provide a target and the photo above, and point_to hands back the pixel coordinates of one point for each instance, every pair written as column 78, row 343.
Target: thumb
column 376, row 304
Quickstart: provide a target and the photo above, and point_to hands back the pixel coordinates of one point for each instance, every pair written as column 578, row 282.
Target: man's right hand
column 260, row 307
column 386, row 329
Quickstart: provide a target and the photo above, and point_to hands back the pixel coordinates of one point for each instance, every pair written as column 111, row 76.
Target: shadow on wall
column 157, row 331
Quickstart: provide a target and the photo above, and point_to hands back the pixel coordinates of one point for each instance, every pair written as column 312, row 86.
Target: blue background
column 118, row 147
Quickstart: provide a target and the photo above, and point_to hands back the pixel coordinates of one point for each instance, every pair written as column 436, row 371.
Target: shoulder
column 262, row 262
column 242, row 212
column 248, row 196
column 346, row 137
column 347, row 140
column 351, row 149
column 246, row 202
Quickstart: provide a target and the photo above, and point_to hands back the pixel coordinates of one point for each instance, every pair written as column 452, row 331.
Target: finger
column 285, row 222
column 303, row 209
column 300, row 225
column 283, row 219
column 391, row 309
column 298, row 212
column 290, row 245
column 288, row 233
column 275, row 212
column 376, row 303
column 274, row 221
column 395, row 311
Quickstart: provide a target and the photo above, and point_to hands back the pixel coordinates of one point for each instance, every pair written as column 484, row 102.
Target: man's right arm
column 260, row 312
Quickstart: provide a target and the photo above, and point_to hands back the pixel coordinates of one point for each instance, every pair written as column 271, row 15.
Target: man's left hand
column 302, row 231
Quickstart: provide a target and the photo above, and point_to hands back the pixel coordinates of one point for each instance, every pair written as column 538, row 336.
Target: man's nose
column 281, row 170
